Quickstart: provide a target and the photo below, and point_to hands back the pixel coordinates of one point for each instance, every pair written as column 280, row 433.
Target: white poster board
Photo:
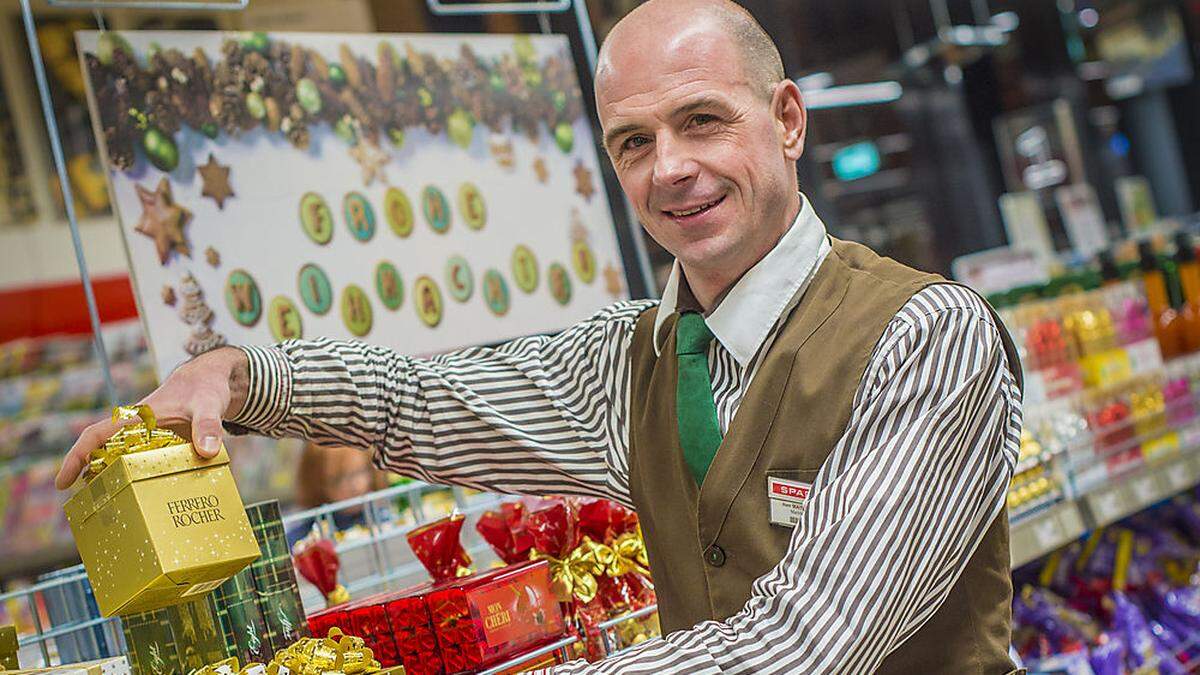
column 1082, row 218
column 424, row 192
column 1025, row 223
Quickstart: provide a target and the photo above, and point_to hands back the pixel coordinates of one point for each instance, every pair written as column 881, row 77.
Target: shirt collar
column 744, row 318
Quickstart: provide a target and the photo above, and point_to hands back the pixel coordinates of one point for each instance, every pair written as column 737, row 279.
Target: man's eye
column 703, row 119
column 634, row 142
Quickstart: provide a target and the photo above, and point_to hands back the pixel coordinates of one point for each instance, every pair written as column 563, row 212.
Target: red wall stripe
column 48, row 309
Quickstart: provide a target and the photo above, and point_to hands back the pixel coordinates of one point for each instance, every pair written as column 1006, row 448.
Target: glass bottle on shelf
column 1189, row 279
column 1166, row 320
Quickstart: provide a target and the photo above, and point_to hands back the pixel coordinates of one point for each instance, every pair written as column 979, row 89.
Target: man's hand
column 192, row 401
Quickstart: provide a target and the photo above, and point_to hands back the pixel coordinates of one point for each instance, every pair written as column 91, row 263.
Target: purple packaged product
column 1108, row 656
column 1144, row 650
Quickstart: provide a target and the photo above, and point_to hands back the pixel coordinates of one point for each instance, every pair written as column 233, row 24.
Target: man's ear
column 791, row 117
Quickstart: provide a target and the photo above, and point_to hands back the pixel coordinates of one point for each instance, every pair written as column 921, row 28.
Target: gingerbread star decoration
column 212, row 256
column 168, row 296
column 163, row 220
column 539, row 168
column 216, row 181
column 502, row 150
column 371, row 159
column 583, row 181
column 612, row 280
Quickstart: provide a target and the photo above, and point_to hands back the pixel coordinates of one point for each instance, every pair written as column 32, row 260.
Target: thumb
column 206, row 433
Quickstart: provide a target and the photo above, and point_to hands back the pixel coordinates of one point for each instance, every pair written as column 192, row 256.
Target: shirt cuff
column 269, row 392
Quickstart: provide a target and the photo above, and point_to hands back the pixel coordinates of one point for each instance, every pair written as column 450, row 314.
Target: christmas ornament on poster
column 424, row 192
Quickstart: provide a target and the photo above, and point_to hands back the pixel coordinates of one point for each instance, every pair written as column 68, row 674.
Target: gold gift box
column 157, row 527
column 117, row 665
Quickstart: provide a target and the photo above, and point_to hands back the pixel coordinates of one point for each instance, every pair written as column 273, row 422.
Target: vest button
column 714, row 555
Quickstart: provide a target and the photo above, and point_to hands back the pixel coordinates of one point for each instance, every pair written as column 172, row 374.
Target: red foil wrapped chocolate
column 505, row 532
column 438, row 548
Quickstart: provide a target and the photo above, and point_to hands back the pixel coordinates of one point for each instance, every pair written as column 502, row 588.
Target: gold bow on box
column 131, row 438
column 574, row 576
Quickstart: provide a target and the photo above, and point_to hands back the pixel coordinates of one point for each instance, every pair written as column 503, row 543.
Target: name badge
column 787, row 499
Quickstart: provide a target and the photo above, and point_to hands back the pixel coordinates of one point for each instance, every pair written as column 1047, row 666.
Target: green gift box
column 242, row 621
column 175, row 640
column 8, row 648
column 275, row 578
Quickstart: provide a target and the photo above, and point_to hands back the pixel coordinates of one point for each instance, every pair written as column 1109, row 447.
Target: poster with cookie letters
column 423, row 192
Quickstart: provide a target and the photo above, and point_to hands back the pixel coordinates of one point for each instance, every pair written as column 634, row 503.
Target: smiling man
column 818, row 440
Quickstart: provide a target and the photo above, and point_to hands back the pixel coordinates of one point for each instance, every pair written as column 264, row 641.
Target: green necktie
column 699, row 432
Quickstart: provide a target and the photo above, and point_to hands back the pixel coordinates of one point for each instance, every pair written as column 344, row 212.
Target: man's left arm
column 897, row 511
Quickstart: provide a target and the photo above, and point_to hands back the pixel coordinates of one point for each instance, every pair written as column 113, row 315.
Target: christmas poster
column 424, row 192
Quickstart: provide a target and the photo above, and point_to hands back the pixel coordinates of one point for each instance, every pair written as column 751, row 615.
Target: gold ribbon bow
column 575, row 575
column 137, row 437
column 335, row 654
column 627, row 554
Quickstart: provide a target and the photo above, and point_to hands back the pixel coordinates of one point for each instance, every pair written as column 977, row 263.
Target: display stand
column 638, row 269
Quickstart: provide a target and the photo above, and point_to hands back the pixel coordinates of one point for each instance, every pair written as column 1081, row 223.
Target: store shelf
column 49, row 558
column 1036, row 535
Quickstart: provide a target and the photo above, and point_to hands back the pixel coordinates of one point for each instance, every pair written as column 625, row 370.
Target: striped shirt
column 931, row 444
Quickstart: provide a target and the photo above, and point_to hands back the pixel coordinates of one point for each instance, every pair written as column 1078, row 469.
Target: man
column 867, row 416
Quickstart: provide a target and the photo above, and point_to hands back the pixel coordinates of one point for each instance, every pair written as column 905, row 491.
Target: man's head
column 703, row 129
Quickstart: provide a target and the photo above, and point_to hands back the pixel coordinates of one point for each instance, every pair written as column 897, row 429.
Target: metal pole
column 60, row 165
column 591, row 52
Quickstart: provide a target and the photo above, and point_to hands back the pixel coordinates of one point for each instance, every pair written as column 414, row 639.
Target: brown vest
column 707, row 546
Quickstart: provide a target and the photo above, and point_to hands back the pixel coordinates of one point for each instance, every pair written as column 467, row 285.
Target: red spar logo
column 793, row 491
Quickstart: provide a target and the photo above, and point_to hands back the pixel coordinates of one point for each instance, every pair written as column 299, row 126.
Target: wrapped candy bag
column 505, row 532
column 1144, row 650
column 1108, row 656
column 439, row 549
column 319, row 563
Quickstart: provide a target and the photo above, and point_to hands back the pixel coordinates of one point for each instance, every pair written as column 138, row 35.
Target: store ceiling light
column 821, row 80
column 853, row 95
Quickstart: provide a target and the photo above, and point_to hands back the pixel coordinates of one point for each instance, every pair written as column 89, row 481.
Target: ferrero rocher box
column 8, row 648
column 159, row 526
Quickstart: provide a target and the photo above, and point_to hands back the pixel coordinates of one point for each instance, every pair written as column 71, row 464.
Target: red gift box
column 413, row 632
column 488, row 618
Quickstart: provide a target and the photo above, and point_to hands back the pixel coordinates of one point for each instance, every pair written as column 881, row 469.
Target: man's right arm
column 537, row 415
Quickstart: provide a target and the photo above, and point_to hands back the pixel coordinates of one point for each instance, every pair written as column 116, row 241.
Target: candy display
column 1124, row 600
column 148, row 498
column 274, row 577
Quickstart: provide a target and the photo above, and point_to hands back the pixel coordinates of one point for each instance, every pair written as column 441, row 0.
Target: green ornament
column 160, row 149
column 425, row 96
column 564, row 136
column 560, row 101
column 255, row 105
column 256, row 42
column 496, row 81
column 337, row 74
column 108, row 45
column 344, row 129
column 209, row 129
column 308, row 96
column 396, row 136
column 460, row 127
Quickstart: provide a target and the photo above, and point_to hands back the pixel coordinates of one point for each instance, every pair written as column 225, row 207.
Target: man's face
column 702, row 156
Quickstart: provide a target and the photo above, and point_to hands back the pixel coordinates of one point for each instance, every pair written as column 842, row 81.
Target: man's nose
column 673, row 162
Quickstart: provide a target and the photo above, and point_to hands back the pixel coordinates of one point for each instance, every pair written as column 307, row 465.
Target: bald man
column 818, row 440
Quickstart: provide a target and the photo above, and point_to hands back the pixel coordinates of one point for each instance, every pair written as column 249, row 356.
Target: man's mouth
column 695, row 209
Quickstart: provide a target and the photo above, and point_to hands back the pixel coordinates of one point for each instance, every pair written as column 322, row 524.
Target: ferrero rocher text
column 195, row 510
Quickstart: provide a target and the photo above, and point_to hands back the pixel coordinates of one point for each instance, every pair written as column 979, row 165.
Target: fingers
column 206, row 427
column 79, row 455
